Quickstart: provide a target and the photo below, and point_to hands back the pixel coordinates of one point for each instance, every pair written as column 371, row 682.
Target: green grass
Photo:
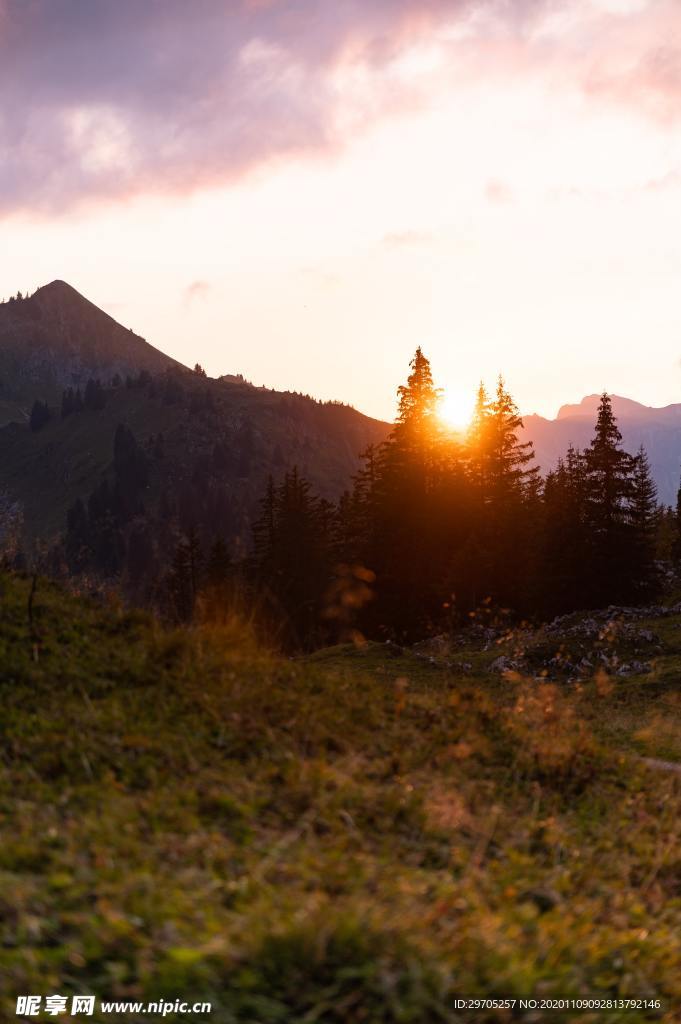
column 360, row 836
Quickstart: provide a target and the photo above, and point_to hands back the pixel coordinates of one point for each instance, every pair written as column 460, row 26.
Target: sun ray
column 456, row 409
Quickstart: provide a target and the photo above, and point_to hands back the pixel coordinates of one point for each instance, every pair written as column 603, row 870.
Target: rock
column 634, row 668
column 504, row 664
column 543, row 899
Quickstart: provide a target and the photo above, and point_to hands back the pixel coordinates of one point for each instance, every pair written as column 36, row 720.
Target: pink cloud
column 498, row 192
column 115, row 98
column 197, row 290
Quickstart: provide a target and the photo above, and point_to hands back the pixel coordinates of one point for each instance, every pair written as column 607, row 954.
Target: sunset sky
column 302, row 191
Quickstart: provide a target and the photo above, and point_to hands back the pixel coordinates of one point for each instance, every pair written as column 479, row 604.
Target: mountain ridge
column 210, row 444
column 657, row 429
column 624, row 408
column 56, row 338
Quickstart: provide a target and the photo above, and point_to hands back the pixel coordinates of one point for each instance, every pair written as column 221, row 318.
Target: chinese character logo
column 55, row 1004
column 83, row 1004
column 29, row 1006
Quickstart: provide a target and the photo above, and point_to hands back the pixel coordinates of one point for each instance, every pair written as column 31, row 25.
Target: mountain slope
column 221, row 439
column 658, row 430
column 624, row 408
column 220, row 442
column 56, row 339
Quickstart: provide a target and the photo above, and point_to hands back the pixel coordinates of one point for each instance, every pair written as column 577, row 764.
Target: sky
column 303, row 191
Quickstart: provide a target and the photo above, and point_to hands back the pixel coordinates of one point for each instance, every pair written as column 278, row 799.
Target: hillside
column 221, row 438
column 359, row 836
column 56, row 339
column 220, row 441
column 657, row 429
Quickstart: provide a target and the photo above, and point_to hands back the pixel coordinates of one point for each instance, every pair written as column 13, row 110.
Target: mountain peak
column 59, row 289
column 57, row 338
column 57, row 286
column 625, row 408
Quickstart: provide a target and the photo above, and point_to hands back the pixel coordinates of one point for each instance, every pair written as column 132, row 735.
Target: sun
column 456, row 409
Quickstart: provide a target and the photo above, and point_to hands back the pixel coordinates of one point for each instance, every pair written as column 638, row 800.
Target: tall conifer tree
column 643, row 515
column 608, row 491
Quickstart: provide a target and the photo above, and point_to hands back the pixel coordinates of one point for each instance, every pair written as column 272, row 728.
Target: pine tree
column 676, row 544
column 501, row 560
column 608, row 491
column 40, row 415
column 643, row 516
column 509, row 474
column 608, row 471
column 418, row 402
column 408, row 506
column 292, row 557
column 219, row 581
column 264, row 528
column 184, row 579
column 106, row 537
column 131, row 467
column 219, row 565
column 564, row 552
column 77, row 541
column 478, row 444
column 358, row 511
column 95, row 396
column 140, row 555
column 643, row 502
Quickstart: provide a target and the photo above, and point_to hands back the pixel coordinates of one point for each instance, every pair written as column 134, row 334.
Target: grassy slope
column 46, row 471
column 356, row 837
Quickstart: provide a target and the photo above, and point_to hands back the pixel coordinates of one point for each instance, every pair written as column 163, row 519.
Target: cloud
column 406, row 239
column 641, row 63
column 498, row 192
column 197, row 290
column 116, row 97
column 111, row 99
column 665, row 183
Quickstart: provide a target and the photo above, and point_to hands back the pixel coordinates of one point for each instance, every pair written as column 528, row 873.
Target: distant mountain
column 211, row 444
column 55, row 339
column 658, row 430
column 624, row 408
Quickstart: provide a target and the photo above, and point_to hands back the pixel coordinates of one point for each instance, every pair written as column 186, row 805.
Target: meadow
column 359, row 835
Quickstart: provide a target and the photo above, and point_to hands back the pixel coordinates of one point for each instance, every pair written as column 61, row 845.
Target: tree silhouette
column 40, row 415
column 95, row 396
column 185, row 576
column 644, row 517
column 608, row 482
column 292, row 557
